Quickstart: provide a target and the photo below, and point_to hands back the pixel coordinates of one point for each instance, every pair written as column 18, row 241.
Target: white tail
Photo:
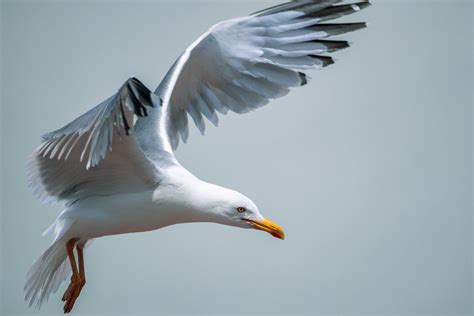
column 50, row 269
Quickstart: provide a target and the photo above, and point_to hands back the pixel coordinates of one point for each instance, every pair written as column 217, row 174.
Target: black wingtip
column 303, row 78
column 333, row 46
column 325, row 60
column 301, row 6
column 138, row 95
column 364, row 5
column 361, row 5
column 359, row 25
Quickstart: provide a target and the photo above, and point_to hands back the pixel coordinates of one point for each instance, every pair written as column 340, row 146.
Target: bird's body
column 114, row 170
column 176, row 200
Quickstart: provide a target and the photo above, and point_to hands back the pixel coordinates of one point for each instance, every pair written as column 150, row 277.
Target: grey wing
column 97, row 153
column 240, row 64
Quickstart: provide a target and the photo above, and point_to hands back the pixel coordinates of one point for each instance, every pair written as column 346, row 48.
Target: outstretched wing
column 240, row 64
column 96, row 154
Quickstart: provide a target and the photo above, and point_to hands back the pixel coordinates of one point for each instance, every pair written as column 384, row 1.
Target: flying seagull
column 113, row 169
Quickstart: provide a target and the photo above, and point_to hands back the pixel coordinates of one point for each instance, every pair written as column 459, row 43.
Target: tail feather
column 46, row 274
column 50, row 269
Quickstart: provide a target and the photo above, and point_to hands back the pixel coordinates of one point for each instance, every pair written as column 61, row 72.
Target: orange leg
column 78, row 279
column 70, row 253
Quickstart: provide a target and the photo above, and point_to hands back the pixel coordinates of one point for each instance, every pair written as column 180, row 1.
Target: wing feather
column 240, row 64
column 77, row 160
column 237, row 65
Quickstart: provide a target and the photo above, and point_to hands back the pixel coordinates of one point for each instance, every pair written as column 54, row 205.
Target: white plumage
column 114, row 176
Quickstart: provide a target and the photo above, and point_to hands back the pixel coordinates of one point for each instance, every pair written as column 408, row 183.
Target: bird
column 113, row 170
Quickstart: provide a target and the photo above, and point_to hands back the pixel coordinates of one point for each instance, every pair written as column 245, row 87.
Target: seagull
column 113, row 169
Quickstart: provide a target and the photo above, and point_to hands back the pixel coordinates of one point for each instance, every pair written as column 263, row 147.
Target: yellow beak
column 268, row 226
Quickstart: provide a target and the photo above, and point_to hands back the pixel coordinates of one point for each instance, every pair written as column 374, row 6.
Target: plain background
column 368, row 168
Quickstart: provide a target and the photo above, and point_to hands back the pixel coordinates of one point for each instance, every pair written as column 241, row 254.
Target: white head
column 229, row 207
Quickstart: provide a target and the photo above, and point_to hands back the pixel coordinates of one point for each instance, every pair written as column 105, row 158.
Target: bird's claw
column 67, row 294
column 72, row 293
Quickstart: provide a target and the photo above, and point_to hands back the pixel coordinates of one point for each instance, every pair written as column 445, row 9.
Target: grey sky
column 368, row 168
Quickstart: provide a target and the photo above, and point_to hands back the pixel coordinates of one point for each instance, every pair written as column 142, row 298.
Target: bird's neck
column 191, row 199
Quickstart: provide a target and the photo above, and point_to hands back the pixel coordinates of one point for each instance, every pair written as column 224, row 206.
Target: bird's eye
column 241, row 209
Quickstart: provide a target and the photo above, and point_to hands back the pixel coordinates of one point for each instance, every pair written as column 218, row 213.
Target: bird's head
column 235, row 209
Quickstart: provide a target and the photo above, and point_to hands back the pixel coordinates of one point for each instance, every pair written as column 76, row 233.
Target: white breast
column 125, row 213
